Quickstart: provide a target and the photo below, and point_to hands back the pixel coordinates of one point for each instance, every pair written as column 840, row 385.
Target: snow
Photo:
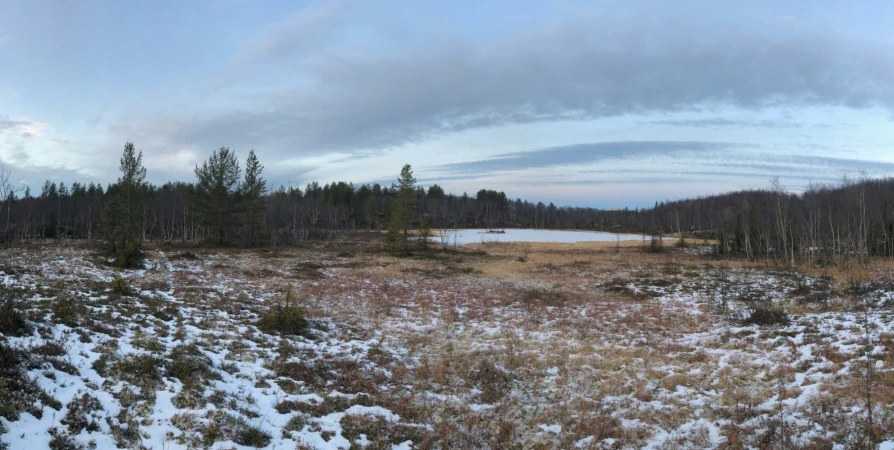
column 476, row 236
column 665, row 364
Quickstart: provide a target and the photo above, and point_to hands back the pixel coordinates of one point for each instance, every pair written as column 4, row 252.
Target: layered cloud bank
column 569, row 102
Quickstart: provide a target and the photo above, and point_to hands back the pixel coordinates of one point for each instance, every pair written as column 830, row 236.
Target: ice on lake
column 473, row 236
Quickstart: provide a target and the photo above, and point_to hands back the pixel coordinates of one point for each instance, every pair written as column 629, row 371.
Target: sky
column 584, row 103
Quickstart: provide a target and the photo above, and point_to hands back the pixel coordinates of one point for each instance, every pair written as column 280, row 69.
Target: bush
column 63, row 441
column 12, row 321
column 67, row 311
column 189, row 365
column 252, row 436
column 493, row 382
column 543, row 297
column 139, row 370
column 285, row 318
column 223, row 426
column 764, row 315
column 297, row 422
column 18, row 392
column 119, row 286
column 130, row 257
column 185, row 255
column 83, row 414
column 656, row 244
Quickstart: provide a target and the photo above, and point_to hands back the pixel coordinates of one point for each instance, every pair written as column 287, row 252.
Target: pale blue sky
column 613, row 103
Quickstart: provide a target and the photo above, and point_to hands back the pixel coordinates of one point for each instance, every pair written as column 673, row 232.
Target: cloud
column 13, row 133
column 586, row 68
column 299, row 34
column 25, row 128
column 328, row 81
column 589, row 153
column 654, row 162
column 795, row 164
column 718, row 122
column 8, row 124
column 34, row 177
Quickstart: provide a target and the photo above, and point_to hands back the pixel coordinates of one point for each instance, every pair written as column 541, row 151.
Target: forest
column 231, row 204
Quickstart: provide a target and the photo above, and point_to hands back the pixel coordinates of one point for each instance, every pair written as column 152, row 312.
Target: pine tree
column 403, row 212
column 253, row 189
column 425, row 234
column 393, row 236
column 123, row 216
column 217, row 185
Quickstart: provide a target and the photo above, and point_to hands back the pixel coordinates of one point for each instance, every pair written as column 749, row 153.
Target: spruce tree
column 253, row 189
column 123, row 216
column 218, row 180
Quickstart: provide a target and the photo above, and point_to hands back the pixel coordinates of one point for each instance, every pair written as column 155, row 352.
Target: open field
column 527, row 346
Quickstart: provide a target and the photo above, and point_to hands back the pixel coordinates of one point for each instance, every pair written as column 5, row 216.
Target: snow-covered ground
column 456, row 351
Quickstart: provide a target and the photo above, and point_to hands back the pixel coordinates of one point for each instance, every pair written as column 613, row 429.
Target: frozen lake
column 473, row 236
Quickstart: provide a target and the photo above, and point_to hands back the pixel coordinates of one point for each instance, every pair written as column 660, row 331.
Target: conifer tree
column 425, row 234
column 253, row 189
column 217, row 186
column 123, row 216
column 403, row 212
column 371, row 213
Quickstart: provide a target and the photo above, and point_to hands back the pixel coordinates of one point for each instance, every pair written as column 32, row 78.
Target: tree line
column 826, row 224
column 231, row 204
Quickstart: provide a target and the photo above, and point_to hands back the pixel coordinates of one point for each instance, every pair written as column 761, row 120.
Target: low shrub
column 12, row 321
column 252, row 436
column 285, row 318
column 765, row 315
column 130, row 257
column 119, row 286
column 67, row 311
column 493, row 382
column 18, row 392
column 139, row 370
column 189, row 365
column 375, row 428
column 223, row 426
column 543, row 297
column 83, row 414
column 63, row 441
column 655, row 245
column 297, row 422
column 187, row 255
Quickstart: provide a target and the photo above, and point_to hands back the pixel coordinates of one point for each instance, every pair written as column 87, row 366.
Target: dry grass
column 494, row 346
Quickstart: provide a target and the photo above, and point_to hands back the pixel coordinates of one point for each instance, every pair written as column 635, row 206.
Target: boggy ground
column 528, row 346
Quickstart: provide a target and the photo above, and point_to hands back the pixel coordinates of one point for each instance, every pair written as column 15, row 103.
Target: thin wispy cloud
column 721, row 123
column 588, row 154
column 296, row 38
